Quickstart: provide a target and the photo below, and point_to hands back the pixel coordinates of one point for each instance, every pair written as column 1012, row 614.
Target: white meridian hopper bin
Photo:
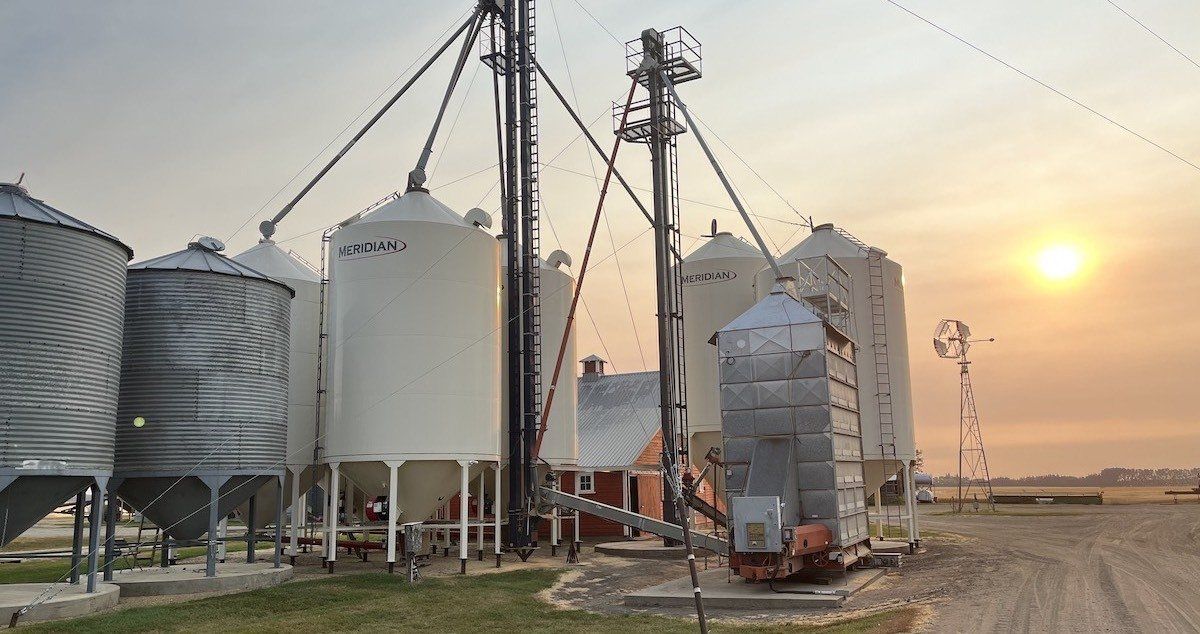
column 827, row 240
column 718, row 285
column 269, row 259
column 414, row 347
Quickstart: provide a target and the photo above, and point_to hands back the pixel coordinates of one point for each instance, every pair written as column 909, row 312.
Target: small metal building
column 792, row 442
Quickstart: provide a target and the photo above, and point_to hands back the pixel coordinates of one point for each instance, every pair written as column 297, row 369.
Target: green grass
column 51, row 570
column 36, row 543
column 374, row 602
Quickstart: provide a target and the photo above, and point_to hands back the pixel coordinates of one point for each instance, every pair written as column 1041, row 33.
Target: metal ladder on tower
column 322, row 350
column 883, row 380
column 679, row 369
column 533, row 237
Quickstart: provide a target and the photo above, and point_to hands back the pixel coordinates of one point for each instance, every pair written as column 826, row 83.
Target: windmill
column 951, row 340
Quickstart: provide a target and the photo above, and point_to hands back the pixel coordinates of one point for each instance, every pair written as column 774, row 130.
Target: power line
column 692, row 200
column 1043, row 84
column 600, row 24
column 454, row 124
column 743, row 161
column 1151, row 32
column 481, row 339
column 592, row 164
column 349, row 124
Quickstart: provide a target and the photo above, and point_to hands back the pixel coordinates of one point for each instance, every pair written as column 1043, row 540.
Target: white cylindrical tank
column 269, row 259
column 560, row 447
column 718, row 285
column 828, row 240
column 414, row 347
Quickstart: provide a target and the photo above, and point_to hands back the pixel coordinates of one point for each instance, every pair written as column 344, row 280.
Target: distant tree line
column 1110, row 477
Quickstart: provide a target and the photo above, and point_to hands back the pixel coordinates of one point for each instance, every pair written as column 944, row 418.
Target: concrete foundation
column 190, row 579
column 723, row 592
column 68, row 601
column 889, row 546
column 647, row 549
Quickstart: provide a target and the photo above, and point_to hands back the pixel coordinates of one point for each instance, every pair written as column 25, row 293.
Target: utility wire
column 454, row 123
column 1151, row 32
column 601, row 25
column 743, row 161
column 552, row 159
column 483, row 338
column 350, row 123
column 596, row 179
column 1044, row 84
column 802, row 224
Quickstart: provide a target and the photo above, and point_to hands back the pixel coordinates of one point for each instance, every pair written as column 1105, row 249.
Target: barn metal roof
column 618, row 417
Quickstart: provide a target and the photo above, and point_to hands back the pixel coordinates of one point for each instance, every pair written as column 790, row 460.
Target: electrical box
column 756, row 524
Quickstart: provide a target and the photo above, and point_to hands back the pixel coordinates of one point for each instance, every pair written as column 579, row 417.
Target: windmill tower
column 951, row 340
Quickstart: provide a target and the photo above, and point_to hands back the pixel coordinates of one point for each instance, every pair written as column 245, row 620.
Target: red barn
column 620, row 440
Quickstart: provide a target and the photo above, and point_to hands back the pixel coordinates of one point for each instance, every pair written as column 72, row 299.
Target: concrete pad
column 889, row 546
column 722, row 591
column 65, row 602
column 190, row 579
column 647, row 549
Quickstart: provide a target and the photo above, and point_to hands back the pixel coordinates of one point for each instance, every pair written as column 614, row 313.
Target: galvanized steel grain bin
column 62, row 297
column 204, row 385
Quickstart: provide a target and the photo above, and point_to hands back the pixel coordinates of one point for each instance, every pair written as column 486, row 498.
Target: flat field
column 1112, row 495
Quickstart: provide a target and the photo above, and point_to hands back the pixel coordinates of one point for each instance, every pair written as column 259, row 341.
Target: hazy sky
column 159, row 121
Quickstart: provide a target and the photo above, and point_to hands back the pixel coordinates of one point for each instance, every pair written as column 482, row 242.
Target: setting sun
column 1059, row 262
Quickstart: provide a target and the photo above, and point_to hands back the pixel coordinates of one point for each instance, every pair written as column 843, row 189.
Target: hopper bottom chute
column 27, row 499
column 180, row 506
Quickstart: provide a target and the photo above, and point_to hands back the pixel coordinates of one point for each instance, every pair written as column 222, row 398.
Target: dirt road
column 1128, row 568
column 1064, row 569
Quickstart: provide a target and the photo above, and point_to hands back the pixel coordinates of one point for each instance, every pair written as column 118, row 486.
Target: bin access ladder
column 878, row 340
column 139, row 555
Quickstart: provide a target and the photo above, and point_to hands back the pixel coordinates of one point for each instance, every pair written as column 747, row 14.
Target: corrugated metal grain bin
column 204, row 386
column 62, row 289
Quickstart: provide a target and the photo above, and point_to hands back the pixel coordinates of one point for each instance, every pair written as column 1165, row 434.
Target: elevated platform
column 647, row 549
column 190, row 579
column 67, row 602
column 733, row 593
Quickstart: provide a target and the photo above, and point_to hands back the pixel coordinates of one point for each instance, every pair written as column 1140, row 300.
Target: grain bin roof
column 198, row 257
column 15, row 202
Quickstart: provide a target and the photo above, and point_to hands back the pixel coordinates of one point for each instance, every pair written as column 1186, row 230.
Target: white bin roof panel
column 415, row 206
column 724, row 245
column 267, row 258
column 825, row 240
